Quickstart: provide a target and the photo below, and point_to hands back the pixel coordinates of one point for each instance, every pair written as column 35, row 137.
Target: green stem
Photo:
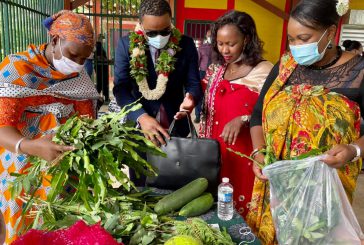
column 260, row 165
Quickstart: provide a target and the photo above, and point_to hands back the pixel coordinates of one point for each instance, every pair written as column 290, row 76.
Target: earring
column 329, row 46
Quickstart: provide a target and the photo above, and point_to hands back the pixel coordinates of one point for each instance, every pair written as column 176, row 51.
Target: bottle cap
column 225, row 180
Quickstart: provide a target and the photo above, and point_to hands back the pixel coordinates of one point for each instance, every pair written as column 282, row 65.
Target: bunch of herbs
column 84, row 180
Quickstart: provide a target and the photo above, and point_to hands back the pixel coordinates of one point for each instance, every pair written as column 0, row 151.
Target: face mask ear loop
column 322, row 36
column 60, row 47
column 320, row 41
column 145, row 35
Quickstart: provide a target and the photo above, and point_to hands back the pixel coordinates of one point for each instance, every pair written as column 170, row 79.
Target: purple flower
column 171, row 52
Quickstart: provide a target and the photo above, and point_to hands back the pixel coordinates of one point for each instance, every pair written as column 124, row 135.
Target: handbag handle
column 190, row 125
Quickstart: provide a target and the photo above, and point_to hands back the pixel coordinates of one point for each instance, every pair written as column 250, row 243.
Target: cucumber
column 198, row 206
column 180, row 197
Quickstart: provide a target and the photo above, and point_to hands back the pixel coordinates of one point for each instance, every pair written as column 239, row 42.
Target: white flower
column 138, row 27
column 154, row 94
column 137, row 52
column 162, row 78
column 342, row 7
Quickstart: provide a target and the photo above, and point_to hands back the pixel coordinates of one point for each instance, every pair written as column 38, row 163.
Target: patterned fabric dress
column 224, row 101
column 35, row 99
column 312, row 117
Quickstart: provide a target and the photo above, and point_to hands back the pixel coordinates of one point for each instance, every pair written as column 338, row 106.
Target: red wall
column 183, row 13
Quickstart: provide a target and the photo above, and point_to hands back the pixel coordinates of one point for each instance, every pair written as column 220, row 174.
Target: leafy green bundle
column 305, row 202
column 86, row 176
column 199, row 229
column 83, row 184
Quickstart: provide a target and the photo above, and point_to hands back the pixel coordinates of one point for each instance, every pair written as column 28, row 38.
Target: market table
column 239, row 231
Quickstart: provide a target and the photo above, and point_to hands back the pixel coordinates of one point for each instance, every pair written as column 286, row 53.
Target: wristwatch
column 358, row 152
column 245, row 118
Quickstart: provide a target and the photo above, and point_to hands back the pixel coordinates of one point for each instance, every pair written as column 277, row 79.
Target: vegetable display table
column 239, row 231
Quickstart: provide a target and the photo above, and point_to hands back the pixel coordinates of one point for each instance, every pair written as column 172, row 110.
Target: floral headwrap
column 71, row 26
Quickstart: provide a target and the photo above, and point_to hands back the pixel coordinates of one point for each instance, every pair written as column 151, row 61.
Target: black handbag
column 187, row 159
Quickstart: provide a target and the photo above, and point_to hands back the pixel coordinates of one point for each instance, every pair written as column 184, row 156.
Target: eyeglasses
column 163, row 33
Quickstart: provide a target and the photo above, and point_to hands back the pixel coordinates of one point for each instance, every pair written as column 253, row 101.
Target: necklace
column 233, row 70
column 164, row 64
column 244, row 70
column 333, row 62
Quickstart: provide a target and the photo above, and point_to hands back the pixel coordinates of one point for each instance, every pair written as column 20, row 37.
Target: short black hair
column 253, row 49
column 351, row 45
column 316, row 14
column 155, row 8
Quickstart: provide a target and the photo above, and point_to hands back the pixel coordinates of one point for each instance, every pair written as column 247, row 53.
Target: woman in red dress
column 233, row 83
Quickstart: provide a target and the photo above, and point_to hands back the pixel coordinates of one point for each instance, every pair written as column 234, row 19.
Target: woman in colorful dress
column 233, row 83
column 312, row 99
column 39, row 89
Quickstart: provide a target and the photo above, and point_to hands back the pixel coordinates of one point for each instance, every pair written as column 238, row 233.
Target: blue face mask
column 308, row 54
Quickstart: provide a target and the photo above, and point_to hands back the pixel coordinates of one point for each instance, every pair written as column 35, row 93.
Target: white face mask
column 158, row 41
column 65, row 65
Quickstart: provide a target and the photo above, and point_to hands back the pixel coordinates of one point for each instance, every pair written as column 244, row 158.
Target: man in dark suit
column 183, row 89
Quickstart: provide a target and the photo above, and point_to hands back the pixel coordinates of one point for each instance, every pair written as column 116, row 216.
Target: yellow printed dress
column 312, row 117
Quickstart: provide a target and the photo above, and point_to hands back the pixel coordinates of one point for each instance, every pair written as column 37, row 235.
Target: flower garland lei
column 164, row 64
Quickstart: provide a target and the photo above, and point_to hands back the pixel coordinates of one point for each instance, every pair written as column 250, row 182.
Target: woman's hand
column 339, row 155
column 231, row 131
column 256, row 169
column 44, row 148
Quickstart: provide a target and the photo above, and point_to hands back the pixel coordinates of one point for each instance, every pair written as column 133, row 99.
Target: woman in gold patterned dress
column 313, row 98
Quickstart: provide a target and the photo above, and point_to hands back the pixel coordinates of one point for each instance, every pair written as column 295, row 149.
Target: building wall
column 207, row 4
column 357, row 4
column 206, row 10
column 270, row 27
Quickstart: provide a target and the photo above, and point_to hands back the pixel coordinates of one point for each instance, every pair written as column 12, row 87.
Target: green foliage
column 85, row 177
column 297, row 222
column 199, row 229
column 126, row 7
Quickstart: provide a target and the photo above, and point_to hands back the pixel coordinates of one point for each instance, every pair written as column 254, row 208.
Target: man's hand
column 187, row 106
column 153, row 131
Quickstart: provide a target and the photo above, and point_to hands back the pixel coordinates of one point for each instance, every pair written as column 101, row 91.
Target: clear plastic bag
column 309, row 204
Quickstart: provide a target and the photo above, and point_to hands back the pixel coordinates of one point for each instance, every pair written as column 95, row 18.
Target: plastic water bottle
column 225, row 209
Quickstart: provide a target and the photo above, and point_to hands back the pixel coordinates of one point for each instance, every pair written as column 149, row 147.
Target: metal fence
column 197, row 30
column 111, row 20
column 21, row 23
